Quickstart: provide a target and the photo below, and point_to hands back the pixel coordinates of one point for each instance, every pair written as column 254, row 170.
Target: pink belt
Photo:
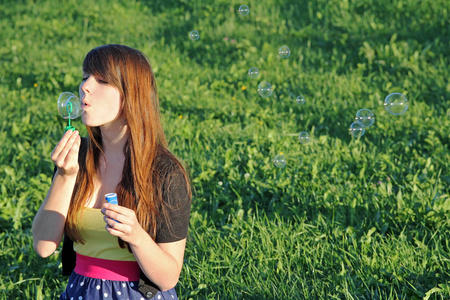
column 107, row 269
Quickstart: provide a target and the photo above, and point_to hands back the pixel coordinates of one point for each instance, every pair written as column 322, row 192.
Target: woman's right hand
column 65, row 154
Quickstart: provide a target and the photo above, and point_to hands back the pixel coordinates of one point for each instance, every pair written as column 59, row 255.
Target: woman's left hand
column 122, row 222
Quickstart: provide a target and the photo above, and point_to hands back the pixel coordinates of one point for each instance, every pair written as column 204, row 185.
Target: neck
column 114, row 138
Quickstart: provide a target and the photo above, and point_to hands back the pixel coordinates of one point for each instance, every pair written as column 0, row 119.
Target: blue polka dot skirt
column 86, row 288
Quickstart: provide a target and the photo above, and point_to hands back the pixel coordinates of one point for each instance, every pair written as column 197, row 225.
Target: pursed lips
column 84, row 104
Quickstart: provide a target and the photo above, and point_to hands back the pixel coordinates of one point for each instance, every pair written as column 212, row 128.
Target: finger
column 111, row 211
column 72, row 155
column 113, row 216
column 118, row 227
column 119, row 209
column 69, row 144
column 111, row 222
column 61, row 150
column 118, row 217
column 113, row 231
column 57, row 150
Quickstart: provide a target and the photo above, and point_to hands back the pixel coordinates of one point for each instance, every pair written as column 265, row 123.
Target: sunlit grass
column 345, row 218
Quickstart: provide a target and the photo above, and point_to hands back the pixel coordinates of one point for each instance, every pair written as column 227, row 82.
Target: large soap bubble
column 69, row 106
column 396, row 104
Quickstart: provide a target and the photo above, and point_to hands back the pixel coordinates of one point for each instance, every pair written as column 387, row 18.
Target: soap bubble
column 253, row 72
column 304, row 137
column 300, row 99
column 244, row 10
column 194, row 35
column 69, row 106
column 396, row 104
column 279, row 161
column 265, row 89
column 284, row 52
column 365, row 117
column 357, row 130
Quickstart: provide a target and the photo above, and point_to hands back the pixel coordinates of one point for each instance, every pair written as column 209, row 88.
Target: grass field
column 346, row 218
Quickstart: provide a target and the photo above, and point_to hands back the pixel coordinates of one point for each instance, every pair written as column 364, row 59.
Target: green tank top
column 98, row 242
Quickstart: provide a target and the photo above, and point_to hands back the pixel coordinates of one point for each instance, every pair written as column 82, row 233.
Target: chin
column 88, row 122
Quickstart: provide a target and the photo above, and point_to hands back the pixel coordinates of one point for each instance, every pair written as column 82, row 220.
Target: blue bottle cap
column 111, row 198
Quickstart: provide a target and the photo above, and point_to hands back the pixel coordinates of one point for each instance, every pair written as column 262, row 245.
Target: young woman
column 133, row 250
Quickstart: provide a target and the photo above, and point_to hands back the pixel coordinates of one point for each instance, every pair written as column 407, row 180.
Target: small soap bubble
column 300, row 99
column 284, row 52
column 279, row 161
column 357, row 130
column 244, row 10
column 304, row 137
column 396, row 104
column 365, row 117
column 69, row 106
column 194, row 35
column 265, row 89
column 253, row 72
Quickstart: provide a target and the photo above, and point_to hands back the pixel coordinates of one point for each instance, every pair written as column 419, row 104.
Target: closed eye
column 98, row 79
column 101, row 80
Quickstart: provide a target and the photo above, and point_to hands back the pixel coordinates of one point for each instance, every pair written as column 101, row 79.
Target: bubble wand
column 69, row 107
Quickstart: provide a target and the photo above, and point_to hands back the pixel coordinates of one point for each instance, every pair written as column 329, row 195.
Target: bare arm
column 48, row 224
column 163, row 265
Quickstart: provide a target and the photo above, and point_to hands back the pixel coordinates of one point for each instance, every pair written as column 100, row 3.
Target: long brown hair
column 146, row 153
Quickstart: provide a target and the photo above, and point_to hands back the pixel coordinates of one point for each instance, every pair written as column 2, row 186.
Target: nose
column 85, row 87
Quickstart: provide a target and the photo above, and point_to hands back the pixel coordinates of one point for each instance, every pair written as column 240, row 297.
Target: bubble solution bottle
column 111, row 198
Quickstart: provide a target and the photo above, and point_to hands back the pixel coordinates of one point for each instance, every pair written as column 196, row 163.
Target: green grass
column 346, row 218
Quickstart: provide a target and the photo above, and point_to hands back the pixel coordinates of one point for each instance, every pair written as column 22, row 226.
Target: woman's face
column 100, row 101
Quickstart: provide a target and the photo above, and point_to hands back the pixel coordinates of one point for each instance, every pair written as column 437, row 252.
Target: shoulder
column 173, row 179
column 169, row 168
